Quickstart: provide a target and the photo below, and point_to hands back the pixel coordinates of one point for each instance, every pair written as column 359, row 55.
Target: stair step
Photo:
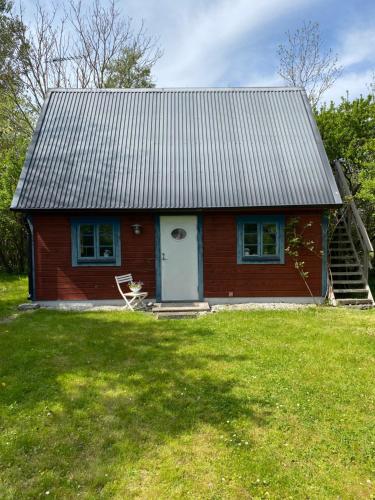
column 343, row 258
column 348, row 282
column 340, row 251
column 350, row 290
column 345, row 264
column 177, row 315
column 346, row 245
column 338, row 256
column 340, row 241
column 343, row 246
column 346, row 273
column 354, row 302
column 181, row 307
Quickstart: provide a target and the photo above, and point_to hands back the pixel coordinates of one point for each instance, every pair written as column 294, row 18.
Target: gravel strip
column 264, row 305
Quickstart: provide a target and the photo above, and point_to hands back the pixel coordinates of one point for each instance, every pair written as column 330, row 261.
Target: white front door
column 179, row 257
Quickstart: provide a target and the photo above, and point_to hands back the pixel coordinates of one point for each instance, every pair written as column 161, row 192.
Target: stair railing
column 353, row 221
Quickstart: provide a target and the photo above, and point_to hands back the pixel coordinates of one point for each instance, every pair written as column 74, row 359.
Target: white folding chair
column 125, row 278
column 136, row 299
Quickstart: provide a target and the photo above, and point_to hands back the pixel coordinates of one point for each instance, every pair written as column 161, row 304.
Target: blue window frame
column 260, row 239
column 96, row 242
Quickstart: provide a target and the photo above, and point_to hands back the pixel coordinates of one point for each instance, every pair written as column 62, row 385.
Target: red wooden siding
column 223, row 276
column 56, row 279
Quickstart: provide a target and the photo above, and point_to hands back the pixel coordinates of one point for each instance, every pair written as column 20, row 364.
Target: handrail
column 358, row 219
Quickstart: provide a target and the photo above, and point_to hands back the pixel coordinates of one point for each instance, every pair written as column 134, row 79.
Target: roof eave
column 178, row 209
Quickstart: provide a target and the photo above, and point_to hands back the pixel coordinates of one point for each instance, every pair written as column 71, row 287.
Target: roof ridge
column 181, row 89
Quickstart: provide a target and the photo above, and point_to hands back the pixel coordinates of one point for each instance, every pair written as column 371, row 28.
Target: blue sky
column 234, row 42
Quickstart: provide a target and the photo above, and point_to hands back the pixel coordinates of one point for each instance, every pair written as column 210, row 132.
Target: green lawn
column 259, row 404
column 13, row 291
column 372, row 282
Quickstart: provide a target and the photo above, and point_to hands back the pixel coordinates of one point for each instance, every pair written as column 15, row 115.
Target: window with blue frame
column 260, row 239
column 96, row 242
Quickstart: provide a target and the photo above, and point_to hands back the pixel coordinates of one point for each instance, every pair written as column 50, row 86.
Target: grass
column 13, row 291
column 372, row 282
column 260, row 404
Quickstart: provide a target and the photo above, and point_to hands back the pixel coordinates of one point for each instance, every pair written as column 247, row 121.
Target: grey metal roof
column 175, row 148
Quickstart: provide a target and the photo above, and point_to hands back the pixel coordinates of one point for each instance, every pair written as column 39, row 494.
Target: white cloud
column 357, row 47
column 357, row 56
column 265, row 80
column 356, row 83
column 201, row 39
column 233, row 42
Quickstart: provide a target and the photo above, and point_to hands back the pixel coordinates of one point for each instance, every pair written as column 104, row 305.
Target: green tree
column 14, row 137
column 348, row 133
column 13, row 144
column 129, row 70
column 11, row 45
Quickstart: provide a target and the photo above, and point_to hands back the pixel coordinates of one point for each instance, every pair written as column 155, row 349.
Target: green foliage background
column 348, row 133
column 14, row 139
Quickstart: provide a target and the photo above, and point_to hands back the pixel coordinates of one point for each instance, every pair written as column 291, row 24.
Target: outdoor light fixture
column 137, row 229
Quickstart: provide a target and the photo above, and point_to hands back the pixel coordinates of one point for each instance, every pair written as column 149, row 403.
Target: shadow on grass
column 85, row 392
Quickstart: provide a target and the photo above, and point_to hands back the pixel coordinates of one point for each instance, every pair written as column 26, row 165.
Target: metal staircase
column 349, row 252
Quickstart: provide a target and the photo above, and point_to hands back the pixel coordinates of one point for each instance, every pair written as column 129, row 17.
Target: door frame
column 199, row 249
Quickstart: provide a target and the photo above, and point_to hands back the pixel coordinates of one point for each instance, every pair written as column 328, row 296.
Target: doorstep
column 180, row 310
column 180, row 307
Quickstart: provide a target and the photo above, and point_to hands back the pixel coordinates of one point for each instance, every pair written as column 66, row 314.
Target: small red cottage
column 189, row 190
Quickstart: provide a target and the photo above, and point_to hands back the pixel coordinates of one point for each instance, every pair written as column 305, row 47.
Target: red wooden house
column 187, row 189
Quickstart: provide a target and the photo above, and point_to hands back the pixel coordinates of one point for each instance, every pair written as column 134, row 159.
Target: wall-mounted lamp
column 137, row 229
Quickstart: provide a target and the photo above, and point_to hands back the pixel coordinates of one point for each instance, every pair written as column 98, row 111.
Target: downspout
column 31, row 256
column 325, row 269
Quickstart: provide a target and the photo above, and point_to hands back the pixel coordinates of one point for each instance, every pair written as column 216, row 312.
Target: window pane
column 87, row 251
column 87, row 230
column 106, row 240
column 269, row 229
column 250, row 250
column 250, row 228
column 269, row 239
column 250, row 236
column 269, row 249
column 86, row 239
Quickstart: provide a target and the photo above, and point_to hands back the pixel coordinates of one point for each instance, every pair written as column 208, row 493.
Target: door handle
column 163, row 257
